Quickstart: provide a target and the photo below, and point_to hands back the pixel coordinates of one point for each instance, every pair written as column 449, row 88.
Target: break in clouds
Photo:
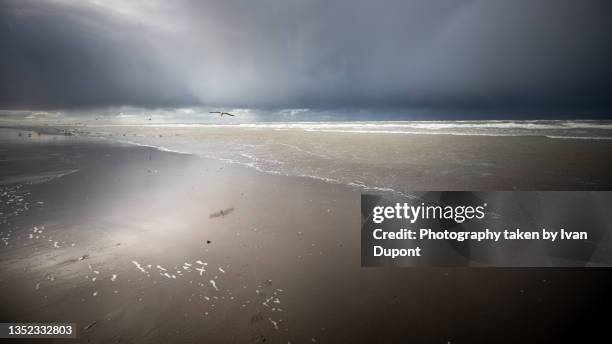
column 449, row 56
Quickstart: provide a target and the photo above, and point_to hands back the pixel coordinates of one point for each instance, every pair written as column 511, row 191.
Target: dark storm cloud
column 540, row 56
column 62, row 55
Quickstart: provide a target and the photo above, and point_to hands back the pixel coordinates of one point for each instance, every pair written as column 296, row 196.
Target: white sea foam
column 579, row 137
column 430, row 125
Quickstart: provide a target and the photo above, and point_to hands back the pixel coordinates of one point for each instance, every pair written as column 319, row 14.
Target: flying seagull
column 223, row 113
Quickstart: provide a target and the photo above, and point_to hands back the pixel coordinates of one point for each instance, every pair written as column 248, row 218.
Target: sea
column 397, row 156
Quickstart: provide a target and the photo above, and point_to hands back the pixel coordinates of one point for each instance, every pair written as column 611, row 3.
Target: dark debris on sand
column 222, row 213
column 90, row 325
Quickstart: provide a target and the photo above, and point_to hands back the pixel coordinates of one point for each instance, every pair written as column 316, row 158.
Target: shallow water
column 397, row 157
column 400, row 156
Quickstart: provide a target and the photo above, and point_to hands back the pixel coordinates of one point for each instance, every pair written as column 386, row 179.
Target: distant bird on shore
column 223, row 113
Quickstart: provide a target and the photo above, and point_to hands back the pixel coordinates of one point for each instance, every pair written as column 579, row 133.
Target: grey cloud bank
column 492, row 58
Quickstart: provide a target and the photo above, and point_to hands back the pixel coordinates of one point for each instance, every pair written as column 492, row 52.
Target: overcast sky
column 498, row 58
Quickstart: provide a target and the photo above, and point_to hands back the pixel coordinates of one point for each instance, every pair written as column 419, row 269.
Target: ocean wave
column 255, row 163
column 580, row 137
column 327, row 157
column 583, row 129
column 158, row 147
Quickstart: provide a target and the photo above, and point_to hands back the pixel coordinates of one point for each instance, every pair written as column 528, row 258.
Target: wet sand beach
column 138, row 245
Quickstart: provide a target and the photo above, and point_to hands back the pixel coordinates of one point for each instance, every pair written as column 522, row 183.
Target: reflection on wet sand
column 125, row 246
